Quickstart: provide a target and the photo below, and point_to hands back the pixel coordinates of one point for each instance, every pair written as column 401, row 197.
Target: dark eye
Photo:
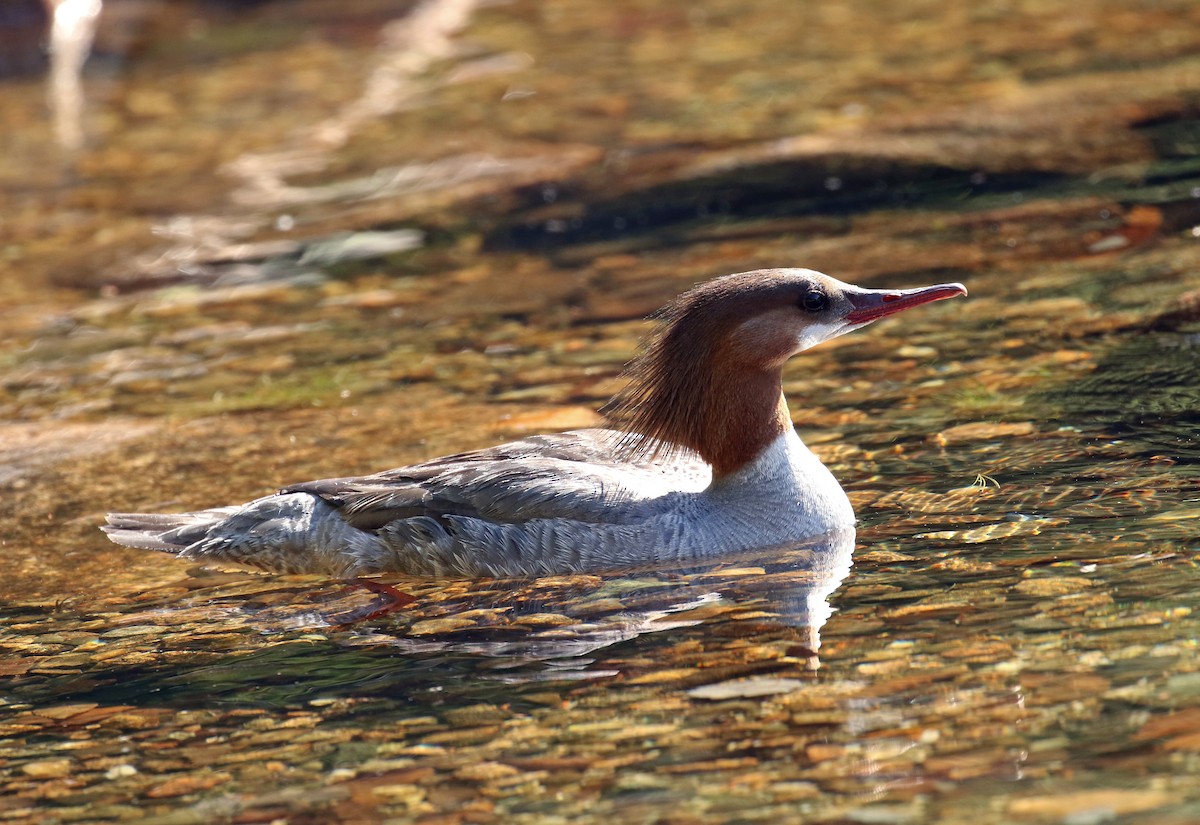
column 814, row 301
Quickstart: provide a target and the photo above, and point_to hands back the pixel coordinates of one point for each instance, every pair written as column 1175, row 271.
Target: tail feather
column 285, row 533
column 168, row 532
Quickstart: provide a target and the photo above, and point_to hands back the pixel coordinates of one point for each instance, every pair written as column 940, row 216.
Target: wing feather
column 572, row 475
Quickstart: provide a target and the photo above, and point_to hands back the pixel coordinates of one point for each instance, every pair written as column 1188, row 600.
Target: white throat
column 785, row 487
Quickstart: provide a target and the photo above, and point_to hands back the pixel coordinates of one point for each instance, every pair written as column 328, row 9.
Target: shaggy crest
column 680, row 389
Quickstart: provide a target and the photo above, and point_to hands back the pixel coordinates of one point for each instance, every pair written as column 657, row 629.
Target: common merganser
column 702, row 460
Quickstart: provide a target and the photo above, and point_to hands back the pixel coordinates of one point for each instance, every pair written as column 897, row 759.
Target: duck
column 699, row 458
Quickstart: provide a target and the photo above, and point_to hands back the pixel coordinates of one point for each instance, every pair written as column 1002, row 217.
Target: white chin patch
column 813, row 334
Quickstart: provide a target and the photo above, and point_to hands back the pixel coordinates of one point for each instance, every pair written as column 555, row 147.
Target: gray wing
column 572, row 475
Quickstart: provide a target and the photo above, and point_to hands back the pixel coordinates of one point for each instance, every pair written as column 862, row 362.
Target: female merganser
column 702, row 460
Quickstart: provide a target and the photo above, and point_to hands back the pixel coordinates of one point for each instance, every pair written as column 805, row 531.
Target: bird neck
column 686, row 393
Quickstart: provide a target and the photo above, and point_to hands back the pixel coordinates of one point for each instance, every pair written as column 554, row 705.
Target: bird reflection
column 560, row 622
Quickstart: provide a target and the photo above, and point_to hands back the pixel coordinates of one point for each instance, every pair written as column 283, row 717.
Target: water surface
column 300, row 244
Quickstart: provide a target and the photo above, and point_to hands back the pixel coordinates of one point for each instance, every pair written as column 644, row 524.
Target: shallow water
column 299, row 244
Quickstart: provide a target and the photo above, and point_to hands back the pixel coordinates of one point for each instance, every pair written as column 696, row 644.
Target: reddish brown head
column 709, row 381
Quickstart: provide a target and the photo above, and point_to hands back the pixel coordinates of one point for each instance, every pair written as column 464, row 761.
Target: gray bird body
column 547, row 504
column 703, row 460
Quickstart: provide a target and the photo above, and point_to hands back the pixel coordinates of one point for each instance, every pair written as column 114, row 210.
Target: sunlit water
column 300, row 244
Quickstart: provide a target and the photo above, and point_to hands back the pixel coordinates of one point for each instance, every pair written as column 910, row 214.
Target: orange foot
column 392, row 600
